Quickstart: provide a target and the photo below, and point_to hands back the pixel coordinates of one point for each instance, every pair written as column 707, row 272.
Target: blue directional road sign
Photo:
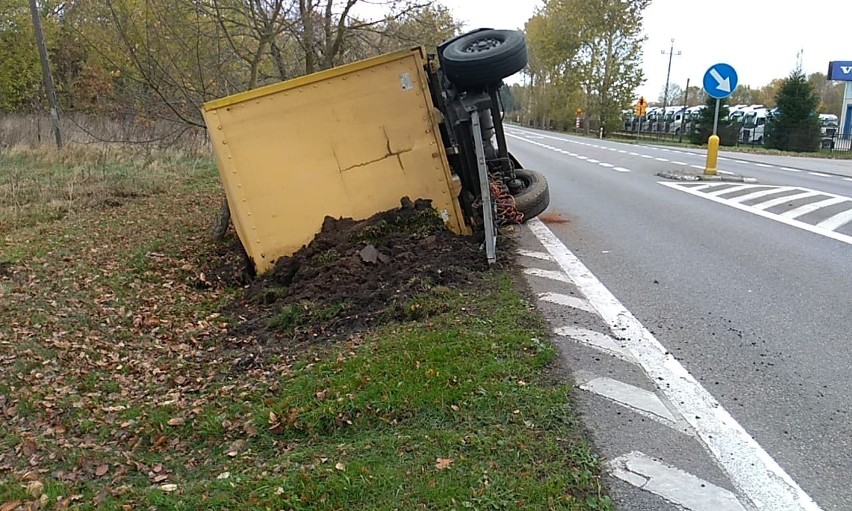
column 720, row 81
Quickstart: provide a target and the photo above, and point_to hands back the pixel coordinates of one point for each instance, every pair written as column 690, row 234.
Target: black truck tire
column 534, row 198
column 484, row 57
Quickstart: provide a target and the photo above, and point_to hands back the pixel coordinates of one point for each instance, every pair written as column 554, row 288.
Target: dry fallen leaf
column 443, row 463
column 236, row 447
column 223, row 475
column 35, row 489
column 292, row 416
column 9, row 506
column 340, row 466
column 29, row 449
column 177, row 421
column 160, row 478
column 168, row 487
column 102, row 470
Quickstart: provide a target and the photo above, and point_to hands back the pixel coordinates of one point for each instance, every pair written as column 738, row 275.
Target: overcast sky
column 759, row 38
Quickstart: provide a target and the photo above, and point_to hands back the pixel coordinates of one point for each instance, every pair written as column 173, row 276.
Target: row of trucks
column 752, row 119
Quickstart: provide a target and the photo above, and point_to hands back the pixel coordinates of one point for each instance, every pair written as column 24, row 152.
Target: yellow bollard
column 712, row 155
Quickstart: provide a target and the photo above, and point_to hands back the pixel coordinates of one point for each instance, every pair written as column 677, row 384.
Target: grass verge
column 122, row 386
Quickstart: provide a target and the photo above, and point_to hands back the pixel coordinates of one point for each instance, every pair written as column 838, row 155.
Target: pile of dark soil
column 357, row 274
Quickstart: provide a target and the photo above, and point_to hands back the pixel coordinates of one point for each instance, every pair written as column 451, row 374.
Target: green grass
column 121, row 379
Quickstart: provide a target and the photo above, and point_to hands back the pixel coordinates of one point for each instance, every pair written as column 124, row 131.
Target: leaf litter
column 123, row 337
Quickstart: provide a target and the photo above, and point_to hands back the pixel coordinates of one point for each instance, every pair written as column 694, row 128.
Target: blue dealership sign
column 840, row 70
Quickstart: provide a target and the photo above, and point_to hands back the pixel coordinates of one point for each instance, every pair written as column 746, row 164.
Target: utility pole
column 671, row 53
column 48, row 77
column 683, row 116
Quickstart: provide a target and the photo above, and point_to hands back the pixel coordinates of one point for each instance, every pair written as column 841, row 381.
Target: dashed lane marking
column 566, row 300
column 527, row 136
column 674, row 485
column 596, row 340
column 547, row 274
column 628, row 396
column 535, row 255
column 751, row 469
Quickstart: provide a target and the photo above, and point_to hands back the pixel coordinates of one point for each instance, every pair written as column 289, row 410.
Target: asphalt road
column 757, row 308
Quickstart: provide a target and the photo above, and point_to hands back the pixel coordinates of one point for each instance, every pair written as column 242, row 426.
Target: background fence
column 831, row 139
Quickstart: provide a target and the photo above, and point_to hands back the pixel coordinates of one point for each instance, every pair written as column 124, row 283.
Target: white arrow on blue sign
column 720, row 81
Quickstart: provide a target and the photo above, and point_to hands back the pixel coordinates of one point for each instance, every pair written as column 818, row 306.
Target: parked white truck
column 753, row 128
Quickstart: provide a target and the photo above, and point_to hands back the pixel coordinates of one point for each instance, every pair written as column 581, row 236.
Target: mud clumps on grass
column 356, row 275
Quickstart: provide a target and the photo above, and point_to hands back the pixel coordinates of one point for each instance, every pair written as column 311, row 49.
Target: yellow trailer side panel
column 348, row 142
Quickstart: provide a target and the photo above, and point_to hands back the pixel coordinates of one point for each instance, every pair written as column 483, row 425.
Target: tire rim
column 481, row 45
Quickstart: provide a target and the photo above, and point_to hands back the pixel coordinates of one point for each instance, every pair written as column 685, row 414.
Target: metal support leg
column 502, row 148
column 485, row 189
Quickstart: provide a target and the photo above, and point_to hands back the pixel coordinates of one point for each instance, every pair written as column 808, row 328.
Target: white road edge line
column 765, row 214
column 820, row 174
column 753, row 471
column 674, row 485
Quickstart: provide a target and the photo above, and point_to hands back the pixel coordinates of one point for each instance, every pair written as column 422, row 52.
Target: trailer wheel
column 534, row 197
column 484, row 57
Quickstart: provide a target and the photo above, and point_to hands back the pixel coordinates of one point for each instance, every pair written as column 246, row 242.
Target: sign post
column 841, row 70
column 719, row 82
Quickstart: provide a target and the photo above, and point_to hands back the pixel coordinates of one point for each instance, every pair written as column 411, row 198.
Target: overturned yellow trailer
column 350, row 142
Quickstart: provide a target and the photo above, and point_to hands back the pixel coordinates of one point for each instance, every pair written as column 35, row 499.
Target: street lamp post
column 671, row 53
